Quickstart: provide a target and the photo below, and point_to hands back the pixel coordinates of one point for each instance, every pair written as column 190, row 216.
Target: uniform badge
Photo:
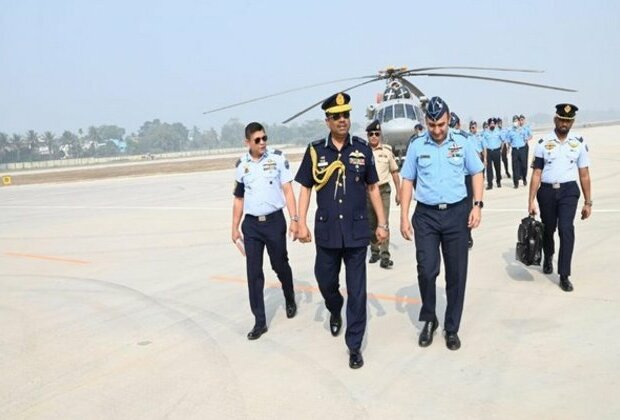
column 340, row 99
column 567, row 108
column 269, row 165
column 550, row 146
column 455, row 151
column 322, row 162
column 573, row 143
column 246, row 170
column 357, row 158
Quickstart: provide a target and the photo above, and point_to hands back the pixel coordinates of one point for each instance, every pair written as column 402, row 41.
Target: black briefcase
column 529, row 241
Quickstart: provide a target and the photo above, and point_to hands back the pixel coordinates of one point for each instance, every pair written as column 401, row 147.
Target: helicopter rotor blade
column 413, row 71
column 495, row 79
column 284, row 92
column 375, row 78
column 413, row 88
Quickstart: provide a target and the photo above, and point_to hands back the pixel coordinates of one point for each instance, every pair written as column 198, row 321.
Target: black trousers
column 257, row 235
column 327, row 269
column 494, row 161
column 504, row 149
column 519, row 164
column 446, row 229
column 557, row 210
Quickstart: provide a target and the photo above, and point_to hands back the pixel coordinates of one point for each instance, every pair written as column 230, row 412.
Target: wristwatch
column 294, row 218
column 479, row 204
column 384, row 227
column 588, row 203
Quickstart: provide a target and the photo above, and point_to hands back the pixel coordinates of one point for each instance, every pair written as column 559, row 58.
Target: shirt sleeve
column 473, row 164
column 285, row 171
column 408, row 170
column 539, row 160
column 371, row 170
column 304, row 173
column 393, row 164
column 583, row 160
column 239, row 189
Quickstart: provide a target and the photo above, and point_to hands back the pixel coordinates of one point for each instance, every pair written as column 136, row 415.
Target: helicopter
column 402, row 105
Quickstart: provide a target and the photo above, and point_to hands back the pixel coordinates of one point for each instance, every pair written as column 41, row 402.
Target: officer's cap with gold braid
column 338, row 102
column 373, row 126
column 566, row 111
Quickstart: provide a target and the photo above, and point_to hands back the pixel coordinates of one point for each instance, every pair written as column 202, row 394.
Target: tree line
column 153, row 137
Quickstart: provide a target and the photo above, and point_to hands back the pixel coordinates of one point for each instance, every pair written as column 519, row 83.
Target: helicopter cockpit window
column 410, row 112
column 380, row 115
column 399, row 111
column 388, row 113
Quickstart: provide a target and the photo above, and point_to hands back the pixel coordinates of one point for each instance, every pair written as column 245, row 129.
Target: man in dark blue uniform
column 437, row 163
column 262, row 188
column 559, row 158
column 342, row 170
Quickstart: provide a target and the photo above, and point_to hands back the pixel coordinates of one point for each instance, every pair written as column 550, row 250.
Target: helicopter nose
column 398, row 130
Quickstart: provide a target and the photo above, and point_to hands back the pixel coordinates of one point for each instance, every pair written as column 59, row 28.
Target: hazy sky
column 68, row 64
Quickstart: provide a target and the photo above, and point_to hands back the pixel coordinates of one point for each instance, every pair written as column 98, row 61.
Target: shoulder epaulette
column 317, row 142
column 277, row 152
column 238, row 163
column 464, row 133
column 580, row 139
column 361, row 140
column 540, row 141
column 387, row 146
column 414, row 138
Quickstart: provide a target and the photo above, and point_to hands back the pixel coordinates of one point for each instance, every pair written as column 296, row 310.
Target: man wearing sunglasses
column 342, row 170
column 386, row 166
column 262, row 188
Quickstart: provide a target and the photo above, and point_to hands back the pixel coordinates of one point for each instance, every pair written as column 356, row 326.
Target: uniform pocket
column 361, row 228
column 321, row 229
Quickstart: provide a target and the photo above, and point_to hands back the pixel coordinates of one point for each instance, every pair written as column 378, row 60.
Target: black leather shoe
column 291, row 308
column 257, row 332
column 489, row 187
column 374, row 258
column 386, row 263
column 356, row 360
column 426, row 336
column 335, row 323
column 565, row 284
column 524, row 182
column 499, row 185
column 452, row 341
column 516, row 186
column 548, row 265
column 508, row 175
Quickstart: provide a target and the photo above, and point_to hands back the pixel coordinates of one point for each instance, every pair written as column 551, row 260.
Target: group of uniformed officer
column 352, row 209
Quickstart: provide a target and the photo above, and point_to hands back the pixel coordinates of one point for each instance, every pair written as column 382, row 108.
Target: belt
column 557, row 185
column 443, row 206
column 492, row 150
column 518, row 148
column 264, row 218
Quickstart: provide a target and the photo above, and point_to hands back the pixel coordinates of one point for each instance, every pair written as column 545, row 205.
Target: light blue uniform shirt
column 439, row 169
column 478, row 141
column 492, row 139
column 262, row 181
column 560, row 161
column 515, row 137
column 527, row 132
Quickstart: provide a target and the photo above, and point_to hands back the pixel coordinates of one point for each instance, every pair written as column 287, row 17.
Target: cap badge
column 340, row 99
column 567, row 109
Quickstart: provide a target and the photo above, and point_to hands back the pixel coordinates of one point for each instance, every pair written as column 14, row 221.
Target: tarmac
column 126, row 299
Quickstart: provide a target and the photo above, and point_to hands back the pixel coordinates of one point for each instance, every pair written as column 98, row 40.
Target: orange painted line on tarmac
column 47, row 257
column 313, row 289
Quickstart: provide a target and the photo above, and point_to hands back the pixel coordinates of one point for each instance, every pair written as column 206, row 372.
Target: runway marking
column 47, row 257
column 313, row 289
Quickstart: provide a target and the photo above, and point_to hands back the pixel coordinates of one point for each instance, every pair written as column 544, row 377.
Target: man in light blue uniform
column 559, row 158
column 515, row 137
column 436, row 162
column 493, row 145
column 505, row 149
column 262, row 189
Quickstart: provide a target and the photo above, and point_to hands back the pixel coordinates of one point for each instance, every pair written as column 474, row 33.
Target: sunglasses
column 336, row 117
column 374, row 133
column 258, row 139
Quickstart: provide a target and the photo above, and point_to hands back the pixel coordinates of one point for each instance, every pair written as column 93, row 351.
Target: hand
column 382, row 235
column 293, row 230
column 406, row 230
column 586, row 211
column 236, row 235
column 303, row 233
column 532, row 209
column 474, row 218
column 397, row 198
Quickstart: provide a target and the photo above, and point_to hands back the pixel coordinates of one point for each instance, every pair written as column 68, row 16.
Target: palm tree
column 49, row 138
column 4, row 145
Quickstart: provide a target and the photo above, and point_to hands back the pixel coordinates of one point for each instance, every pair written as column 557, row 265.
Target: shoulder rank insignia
column 540, row 141
column 238, row 162
column 277, row 152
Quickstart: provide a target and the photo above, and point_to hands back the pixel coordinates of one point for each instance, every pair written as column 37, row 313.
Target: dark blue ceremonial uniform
column 341, row 227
